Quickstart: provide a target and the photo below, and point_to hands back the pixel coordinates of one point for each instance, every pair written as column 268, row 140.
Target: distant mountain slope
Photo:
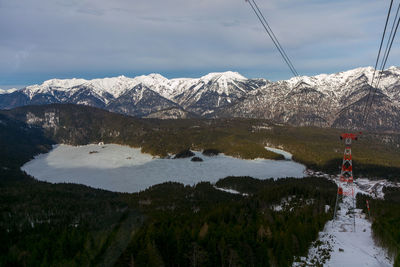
column 216, row 90
column 142, row 96
column 323, row 100
column 19, row 142
column 336, row 100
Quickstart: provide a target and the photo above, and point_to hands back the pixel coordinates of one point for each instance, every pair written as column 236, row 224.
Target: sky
column 45, row 39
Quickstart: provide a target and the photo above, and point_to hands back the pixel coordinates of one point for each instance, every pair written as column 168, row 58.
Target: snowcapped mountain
column 215, row 91
column 323, row 100
column 143, row 96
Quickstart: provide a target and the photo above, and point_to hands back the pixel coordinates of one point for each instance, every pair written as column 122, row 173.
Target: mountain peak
column 394, row 69
column 115, row 86
column 156, row 76
column 150, row 79
column 63, row 83
column 228, row 75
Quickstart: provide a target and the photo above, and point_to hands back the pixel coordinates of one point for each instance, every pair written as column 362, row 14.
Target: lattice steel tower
column 345, row 185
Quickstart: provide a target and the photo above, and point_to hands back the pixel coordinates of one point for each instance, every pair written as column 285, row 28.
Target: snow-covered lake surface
column 124, row 169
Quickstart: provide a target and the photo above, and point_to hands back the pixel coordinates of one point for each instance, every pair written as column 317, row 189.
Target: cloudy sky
column 44, row 39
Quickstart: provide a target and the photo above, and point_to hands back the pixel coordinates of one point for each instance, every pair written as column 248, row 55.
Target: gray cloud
column 87, row 36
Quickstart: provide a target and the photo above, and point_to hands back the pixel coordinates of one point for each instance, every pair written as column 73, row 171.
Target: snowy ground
column 230, row 191
column 284, row 153
column 124, row 169
column 373, row 188
column 339, row 244
column 363, row 185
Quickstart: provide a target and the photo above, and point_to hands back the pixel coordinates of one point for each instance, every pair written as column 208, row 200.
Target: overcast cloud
column 43, row 39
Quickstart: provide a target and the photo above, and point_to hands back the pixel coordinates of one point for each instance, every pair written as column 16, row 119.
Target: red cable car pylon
column 345, row 184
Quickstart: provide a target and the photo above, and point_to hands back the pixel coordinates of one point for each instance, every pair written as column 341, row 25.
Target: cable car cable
column 384, row 63
column 376, row 63
column 276, row 39
column 389, row 47
column 390, row 36
column 292, row 69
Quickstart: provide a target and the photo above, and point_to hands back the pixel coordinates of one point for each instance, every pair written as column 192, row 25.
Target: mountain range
column 334, row 100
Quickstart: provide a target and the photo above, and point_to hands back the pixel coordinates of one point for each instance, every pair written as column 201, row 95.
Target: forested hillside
column 46, row 224
column 201, row 226
column 385, row 216
column 19, row 142
column 169, row 224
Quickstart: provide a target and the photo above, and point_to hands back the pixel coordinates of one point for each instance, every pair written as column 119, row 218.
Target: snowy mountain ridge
column 169, row 88
column 334, row 100
column 321, row 100
column 8, row 91
column 139, row 96
column 116, row 86
column 339, row 82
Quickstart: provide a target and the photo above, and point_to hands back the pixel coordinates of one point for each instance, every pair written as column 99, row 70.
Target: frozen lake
column 124, row 169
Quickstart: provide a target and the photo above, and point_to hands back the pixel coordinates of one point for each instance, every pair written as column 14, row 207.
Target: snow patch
column 285, row 154
column 230, row 191
column 8, row 91
column 222, row 77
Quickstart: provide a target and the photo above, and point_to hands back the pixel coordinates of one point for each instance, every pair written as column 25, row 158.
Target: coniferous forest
column 385, row 216
column 268, row 223
column 167, row 225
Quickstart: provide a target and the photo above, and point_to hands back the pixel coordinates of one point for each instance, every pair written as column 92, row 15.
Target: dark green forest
column 45, row 224
column 167, row 225
column 202, row 226
column 385, row 217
